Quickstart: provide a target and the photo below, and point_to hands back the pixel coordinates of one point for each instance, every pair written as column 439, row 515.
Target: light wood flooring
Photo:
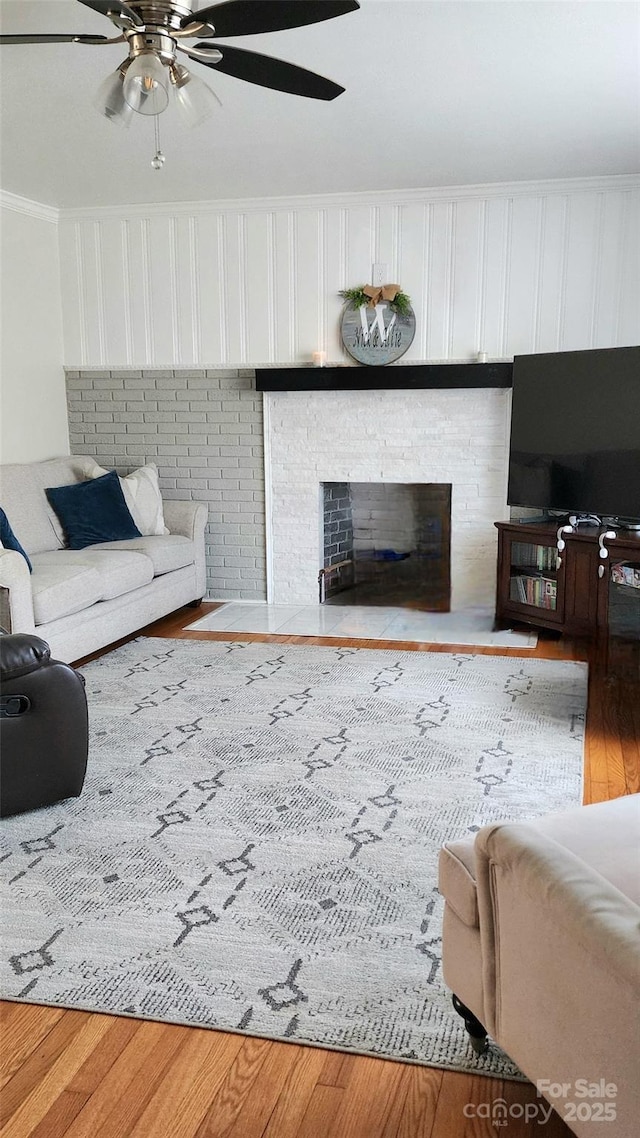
column 82, row 1075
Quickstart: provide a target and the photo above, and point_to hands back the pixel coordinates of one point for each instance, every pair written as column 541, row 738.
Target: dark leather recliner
column 44, row 728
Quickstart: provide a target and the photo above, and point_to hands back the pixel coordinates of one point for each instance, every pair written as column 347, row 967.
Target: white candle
column 318, row 358
column 481, row 357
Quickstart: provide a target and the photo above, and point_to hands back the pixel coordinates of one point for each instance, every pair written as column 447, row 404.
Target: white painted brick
column 238, row 562
column 201, row 384
column 228, row 417
column 239, row 496
column 419, row 436
column 230, row 528
column 193, row 483
column 223, row 483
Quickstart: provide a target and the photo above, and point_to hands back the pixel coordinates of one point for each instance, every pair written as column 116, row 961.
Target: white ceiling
column 437, row 93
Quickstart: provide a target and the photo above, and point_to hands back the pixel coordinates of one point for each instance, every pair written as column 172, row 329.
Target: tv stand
column 611, row 521
column 556, row 578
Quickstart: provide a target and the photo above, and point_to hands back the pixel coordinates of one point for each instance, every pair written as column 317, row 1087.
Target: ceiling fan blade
column 116, row 6
column 53, row 39
column 267, row 72
column 250, row 17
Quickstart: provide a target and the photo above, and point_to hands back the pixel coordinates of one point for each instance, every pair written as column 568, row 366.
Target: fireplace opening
column 386, row 543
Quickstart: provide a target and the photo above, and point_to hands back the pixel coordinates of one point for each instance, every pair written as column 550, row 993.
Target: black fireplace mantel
column 393, row 378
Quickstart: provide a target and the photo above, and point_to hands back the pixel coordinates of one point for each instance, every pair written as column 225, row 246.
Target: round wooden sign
column 376, row 335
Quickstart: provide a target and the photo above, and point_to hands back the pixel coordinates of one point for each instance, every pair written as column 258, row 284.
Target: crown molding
column 609, row 183
column 30, row 208
column 614, row 182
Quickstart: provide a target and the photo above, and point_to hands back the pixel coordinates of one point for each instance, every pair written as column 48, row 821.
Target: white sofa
column 81, row 600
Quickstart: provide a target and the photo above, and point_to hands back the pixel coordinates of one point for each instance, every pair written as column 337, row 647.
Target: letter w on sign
column 368, row 330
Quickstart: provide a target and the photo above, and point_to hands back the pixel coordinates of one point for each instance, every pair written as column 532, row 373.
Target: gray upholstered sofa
column 81, row 600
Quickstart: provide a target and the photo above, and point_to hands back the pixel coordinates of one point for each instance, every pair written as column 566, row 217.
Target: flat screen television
column 575, row 432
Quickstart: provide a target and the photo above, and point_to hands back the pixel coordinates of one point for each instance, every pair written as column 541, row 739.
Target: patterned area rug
column 256, row 845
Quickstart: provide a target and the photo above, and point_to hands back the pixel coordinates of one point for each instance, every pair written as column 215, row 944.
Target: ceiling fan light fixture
column 146, row 84
column 110, row 100
column 195, row 99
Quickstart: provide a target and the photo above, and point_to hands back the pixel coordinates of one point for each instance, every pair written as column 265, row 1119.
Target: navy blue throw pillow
column 8, row 539
column 93, row 511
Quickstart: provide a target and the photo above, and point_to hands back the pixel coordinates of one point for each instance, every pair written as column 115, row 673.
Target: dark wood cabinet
column 581, row 586
column 574, row 590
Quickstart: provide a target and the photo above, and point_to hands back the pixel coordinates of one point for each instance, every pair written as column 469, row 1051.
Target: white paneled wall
column 502, row 269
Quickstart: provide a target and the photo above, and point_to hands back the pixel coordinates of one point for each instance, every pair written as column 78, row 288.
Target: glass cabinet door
column 624, row 600
column 533, row 571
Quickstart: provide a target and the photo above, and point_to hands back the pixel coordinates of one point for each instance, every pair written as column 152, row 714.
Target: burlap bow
column 376, row 293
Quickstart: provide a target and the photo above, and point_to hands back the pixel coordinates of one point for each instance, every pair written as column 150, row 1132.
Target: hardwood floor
column 83, row 1075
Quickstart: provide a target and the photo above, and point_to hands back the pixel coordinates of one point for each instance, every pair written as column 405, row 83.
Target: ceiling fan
column 155, row 32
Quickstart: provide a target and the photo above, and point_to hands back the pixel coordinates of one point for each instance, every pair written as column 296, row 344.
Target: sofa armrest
column 560, row 954
column 16, row 602
column 185, row 518
column 20, row 654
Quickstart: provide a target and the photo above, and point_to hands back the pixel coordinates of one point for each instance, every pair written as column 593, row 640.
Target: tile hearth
column 472, row 626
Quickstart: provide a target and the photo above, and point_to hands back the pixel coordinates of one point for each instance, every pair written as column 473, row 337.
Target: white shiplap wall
column 503, row 269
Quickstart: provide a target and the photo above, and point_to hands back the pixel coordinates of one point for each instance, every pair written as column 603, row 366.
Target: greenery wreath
column 400, row 303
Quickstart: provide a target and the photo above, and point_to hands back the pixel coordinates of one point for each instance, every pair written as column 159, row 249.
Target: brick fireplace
column 205, row 431
column 452, row 436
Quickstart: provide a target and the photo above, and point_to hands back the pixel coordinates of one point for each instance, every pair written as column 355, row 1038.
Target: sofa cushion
column 67, row 581
column 60, row 588
column 93, row 511
column 141, row 491
column 22, row 494
column 457, row 880
column 119, row 572
column 167, row 551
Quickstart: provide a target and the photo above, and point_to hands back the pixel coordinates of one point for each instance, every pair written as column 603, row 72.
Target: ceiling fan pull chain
column 158, row 159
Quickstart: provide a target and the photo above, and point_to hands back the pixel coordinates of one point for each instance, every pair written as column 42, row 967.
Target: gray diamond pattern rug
column 256, row 845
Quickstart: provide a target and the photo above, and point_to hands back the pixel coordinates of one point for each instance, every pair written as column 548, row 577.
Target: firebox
column 386, row 543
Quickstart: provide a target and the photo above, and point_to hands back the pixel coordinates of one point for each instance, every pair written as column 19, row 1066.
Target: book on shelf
column 626, row 575
column 538, row 591
column 542, row 557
